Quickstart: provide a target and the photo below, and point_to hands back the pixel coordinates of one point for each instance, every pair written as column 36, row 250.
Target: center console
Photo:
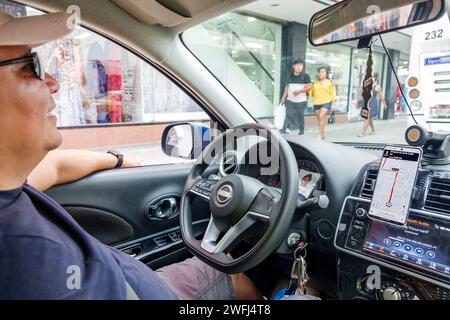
column 381, row 260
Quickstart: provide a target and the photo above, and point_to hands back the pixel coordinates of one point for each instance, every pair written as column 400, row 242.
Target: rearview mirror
column 355, row 19
column 185, row 140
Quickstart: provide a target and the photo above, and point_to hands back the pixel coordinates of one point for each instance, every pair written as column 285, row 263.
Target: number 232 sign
column 435, row 34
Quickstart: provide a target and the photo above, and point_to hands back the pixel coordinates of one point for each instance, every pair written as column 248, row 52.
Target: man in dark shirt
column 295, row 98
column 44, row 253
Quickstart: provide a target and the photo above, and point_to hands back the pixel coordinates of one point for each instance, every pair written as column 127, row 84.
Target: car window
column 109, row 98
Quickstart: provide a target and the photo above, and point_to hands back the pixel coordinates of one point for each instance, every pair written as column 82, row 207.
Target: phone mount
column 365, row 42
column 435, row 145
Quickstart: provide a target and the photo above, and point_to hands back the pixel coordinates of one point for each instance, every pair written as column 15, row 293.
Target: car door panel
column 107, row 227
column 113, row 206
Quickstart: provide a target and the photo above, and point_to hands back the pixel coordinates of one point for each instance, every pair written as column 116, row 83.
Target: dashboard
column 306, row 168
column 413, row 260
column 337, row 167
column 418, row 251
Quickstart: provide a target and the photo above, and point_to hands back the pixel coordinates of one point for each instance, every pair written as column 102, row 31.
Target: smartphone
column 395, row 183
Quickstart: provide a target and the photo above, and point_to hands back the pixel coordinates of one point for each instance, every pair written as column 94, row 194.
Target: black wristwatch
column 119, row 157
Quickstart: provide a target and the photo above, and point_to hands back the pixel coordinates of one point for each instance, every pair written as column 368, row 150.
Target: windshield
column 262, row 55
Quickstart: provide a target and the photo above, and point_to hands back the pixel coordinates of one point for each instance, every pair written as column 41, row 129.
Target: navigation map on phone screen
column 395, row 183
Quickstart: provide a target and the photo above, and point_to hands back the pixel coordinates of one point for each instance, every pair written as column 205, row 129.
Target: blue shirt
column 45, row 254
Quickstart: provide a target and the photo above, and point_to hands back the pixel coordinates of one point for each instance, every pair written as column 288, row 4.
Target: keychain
column 299, row 277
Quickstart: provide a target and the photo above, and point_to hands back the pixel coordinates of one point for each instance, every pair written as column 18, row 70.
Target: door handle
column 164, row 209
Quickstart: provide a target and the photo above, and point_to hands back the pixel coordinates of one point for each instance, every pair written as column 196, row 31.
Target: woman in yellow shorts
column 324, row 94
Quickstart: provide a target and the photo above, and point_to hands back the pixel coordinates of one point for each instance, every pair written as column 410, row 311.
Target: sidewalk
column 388, row 131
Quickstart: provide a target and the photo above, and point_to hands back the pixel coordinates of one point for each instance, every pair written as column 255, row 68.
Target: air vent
column 369, row 184
column 228, row 164
column 438, row 197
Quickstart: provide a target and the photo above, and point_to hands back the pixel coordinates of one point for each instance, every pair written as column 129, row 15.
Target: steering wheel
column 241, row 206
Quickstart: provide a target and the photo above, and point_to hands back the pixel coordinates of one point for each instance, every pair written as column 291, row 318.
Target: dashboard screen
column 422, row 242
column 395, row 183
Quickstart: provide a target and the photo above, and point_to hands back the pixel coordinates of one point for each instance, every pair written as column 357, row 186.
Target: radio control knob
column 361, row 213
column 391, row 294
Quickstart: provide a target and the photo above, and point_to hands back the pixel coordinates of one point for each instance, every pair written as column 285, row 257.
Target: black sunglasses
column 33, row 59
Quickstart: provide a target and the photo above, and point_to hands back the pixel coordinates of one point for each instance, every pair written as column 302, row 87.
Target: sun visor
column 151, row 12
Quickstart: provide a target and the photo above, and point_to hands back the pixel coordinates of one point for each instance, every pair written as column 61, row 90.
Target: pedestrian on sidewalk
column 324, row 95
column 295, row 98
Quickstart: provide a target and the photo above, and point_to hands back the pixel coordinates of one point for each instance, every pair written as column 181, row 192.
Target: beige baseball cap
column 34, row 31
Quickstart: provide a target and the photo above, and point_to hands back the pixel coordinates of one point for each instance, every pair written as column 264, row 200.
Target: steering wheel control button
column 204, row 188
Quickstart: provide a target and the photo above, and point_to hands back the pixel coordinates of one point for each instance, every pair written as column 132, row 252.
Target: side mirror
column 185, row 140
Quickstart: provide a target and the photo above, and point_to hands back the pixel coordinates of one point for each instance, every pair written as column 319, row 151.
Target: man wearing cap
column 44, row 253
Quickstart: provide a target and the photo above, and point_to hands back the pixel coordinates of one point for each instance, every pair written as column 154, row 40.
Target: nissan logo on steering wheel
column 225, row 194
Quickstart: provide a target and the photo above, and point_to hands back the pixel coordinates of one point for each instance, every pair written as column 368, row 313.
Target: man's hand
column 130, row 163
column 307, row 88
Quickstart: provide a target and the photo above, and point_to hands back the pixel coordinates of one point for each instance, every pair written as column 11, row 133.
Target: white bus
column 428, row 85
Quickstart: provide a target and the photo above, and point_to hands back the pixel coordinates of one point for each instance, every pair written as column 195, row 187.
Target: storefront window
column 336, row 59
column 244, row 53
column 102, row 83
column 252, row 44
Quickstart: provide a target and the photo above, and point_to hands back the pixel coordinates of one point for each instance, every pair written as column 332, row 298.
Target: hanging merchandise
column 113, row 65
column 115, row 91
column 70, row 106
column 96, row 78
column 96, row 86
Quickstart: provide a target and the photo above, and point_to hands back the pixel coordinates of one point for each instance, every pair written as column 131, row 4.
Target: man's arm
column 64, row 166
column 285, row 95
column 307, row 87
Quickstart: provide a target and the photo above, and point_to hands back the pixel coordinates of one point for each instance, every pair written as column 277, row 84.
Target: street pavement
column 387, row 131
